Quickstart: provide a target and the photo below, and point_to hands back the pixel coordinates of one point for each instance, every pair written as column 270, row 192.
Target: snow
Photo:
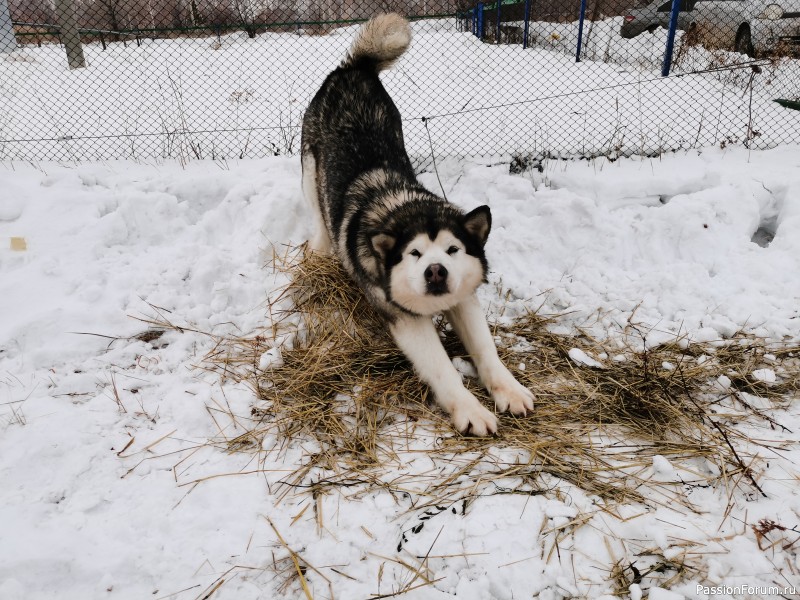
column 765, row 375
column 657, row 593
column 116, row 479
column 580, row 357
column 109, row 483
column 663, row 470
column 271, row 359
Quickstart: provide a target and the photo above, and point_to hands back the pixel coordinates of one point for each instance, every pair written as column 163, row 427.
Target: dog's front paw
column 510, row 395
column 473, row 418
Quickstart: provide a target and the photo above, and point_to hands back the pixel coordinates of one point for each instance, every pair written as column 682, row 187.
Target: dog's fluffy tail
column 380, row 42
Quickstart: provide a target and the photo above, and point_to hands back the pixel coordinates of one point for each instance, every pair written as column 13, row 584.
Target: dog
column 414, row 254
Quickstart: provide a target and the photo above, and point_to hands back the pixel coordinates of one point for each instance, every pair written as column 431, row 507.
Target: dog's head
column 433, row 261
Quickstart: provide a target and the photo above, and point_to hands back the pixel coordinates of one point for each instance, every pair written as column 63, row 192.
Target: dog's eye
column 415, row 253
column 452, row 250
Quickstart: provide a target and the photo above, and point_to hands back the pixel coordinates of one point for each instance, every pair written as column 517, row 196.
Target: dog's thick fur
column 412, row 253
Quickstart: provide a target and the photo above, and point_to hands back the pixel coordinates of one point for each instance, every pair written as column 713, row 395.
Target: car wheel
column 744, row 42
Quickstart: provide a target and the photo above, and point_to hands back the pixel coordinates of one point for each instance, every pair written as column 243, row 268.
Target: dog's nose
column 435, row 273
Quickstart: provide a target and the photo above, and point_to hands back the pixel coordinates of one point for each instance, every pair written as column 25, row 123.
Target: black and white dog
column 412, row 253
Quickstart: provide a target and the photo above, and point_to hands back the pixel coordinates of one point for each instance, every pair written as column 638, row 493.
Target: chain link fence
column 518, row 80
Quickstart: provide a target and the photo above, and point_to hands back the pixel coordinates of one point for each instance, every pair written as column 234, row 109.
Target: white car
column 749, row 26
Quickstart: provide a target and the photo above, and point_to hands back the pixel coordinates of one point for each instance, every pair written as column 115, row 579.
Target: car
column 649, row 17
column 752, row 27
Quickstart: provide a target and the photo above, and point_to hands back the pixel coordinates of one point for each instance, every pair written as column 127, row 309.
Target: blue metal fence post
column 479, row 9
column 580, row 31
column 8, row 42
column 497, row 29
column 525, row 28
column 673, row 25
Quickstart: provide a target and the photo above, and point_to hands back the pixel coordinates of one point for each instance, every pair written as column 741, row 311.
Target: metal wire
column 597, row 89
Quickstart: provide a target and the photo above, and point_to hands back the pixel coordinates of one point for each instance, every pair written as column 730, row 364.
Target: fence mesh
column 219, row 79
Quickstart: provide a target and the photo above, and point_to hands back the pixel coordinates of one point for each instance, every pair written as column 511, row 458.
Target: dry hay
column 340, row 386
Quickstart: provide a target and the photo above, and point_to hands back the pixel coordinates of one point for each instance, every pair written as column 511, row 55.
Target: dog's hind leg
column 469, row 323
column 419, row 341
column 320, row 240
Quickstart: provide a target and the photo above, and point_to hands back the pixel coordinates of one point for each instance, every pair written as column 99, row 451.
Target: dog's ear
column 382, row 243
column 478, row 223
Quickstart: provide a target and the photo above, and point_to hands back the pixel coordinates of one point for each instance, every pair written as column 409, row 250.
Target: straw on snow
column 337, row 381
